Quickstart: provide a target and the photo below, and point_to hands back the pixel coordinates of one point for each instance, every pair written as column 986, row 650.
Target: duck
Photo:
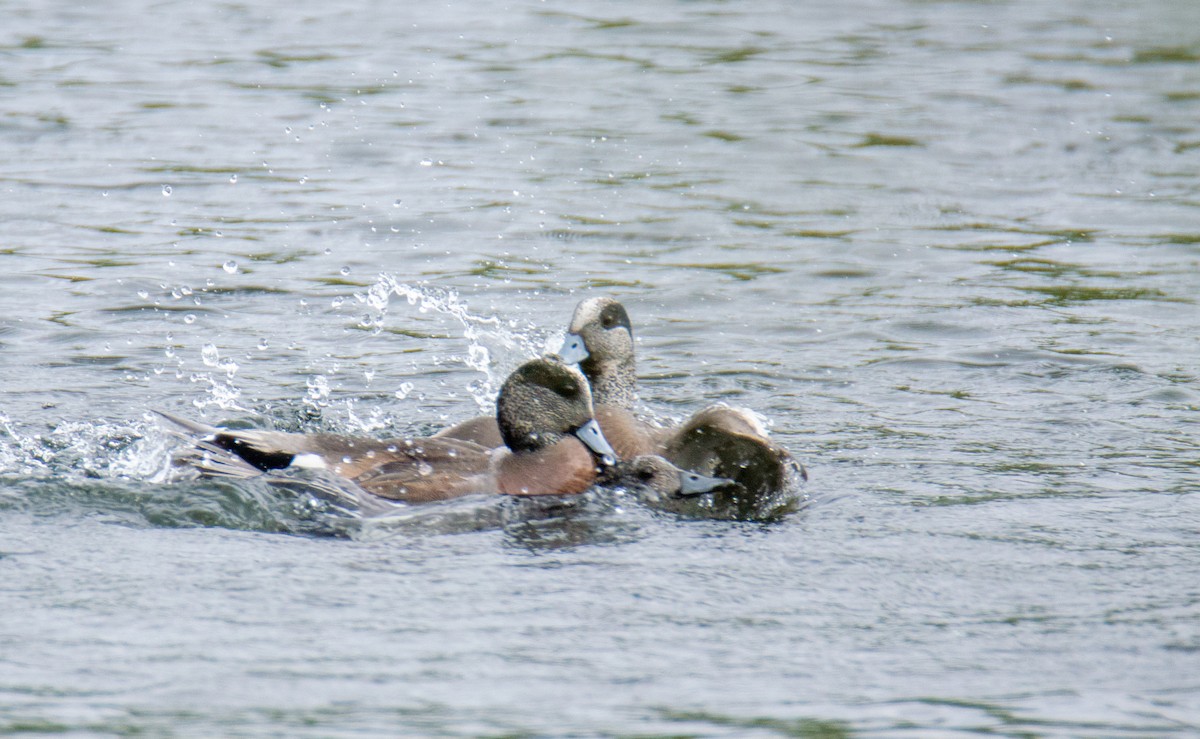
column 719, row 440
column 552, row 445
column 658, row 480
column 603, row 325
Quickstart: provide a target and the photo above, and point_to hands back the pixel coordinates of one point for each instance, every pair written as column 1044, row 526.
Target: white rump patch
column 308, row 462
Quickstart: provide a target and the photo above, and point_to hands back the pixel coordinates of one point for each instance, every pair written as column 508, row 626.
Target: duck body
column 481, row 430
column 552, row 446
column 719, row 440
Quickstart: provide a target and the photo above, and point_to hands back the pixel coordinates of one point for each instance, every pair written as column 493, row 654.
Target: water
column 948, row 249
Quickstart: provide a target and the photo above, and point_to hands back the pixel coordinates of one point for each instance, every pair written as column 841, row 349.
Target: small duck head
column 664, row 480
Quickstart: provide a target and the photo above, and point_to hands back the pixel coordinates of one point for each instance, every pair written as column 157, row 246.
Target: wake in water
column 128, row 464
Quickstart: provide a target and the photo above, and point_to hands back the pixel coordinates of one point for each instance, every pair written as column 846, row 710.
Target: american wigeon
column 481, row 430
column 659, row 480
column 600, row 341
column 552, row 446
column 719, row 440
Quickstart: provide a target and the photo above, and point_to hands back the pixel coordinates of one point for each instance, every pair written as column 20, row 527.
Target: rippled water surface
column 950, row 250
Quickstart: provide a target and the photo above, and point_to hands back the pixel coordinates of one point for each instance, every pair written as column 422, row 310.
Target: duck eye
column 645, row 474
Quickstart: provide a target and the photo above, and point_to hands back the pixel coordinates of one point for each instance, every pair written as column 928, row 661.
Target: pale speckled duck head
column 662, row 480
column 544, row 401
column 600, row 340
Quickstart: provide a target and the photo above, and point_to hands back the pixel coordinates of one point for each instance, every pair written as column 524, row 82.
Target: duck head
column 664, row 480
column 600, row 340
column 544, row 401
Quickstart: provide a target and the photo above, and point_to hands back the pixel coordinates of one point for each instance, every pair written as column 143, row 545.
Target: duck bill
column 591, row 435
column 692, row 485
column 573, row 350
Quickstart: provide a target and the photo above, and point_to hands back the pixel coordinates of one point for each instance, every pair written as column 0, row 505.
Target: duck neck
column 613, row 382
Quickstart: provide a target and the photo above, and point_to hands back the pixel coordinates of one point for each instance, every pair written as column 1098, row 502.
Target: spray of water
column 494, row 346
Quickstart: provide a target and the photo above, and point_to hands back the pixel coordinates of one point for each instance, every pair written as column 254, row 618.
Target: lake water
column 950, row 250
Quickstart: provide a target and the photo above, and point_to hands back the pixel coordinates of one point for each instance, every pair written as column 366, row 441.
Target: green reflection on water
column 804, row 727
column 744, row 272
column 1051, row 268
column 879, row 139
column 1166, row 54
column 732, row 56
column 280, row 59
column 1064, row 294
column 724, row 136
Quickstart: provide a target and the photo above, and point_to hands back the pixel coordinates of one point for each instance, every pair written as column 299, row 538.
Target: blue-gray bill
column 591, row 435
column 573, row 350
column 692, row 485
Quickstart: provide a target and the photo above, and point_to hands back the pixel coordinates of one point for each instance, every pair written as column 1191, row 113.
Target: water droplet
column 189, row 318
column 392, row 448
column 424, row 469
column 185, row 290
column 166, row 191
column 397, row 203
column 346, row 459
column 210, row 355
column 337, row 302
column 262, row 344
column 345, row 271
column 303, row 180
column 233, row 179
column 230, row 266
column 404, row 389
column 143, row 294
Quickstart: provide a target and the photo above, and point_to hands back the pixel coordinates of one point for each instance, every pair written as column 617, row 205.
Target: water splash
column 222, row 394
column 20, row 453
column 86, row 449
column 318, row 392
column 487, row 337
column 375, row 420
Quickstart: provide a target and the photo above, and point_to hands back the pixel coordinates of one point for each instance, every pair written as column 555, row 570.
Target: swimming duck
column 552, row 446
column 660, row 480
column 719, row 440
column 604, row 328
